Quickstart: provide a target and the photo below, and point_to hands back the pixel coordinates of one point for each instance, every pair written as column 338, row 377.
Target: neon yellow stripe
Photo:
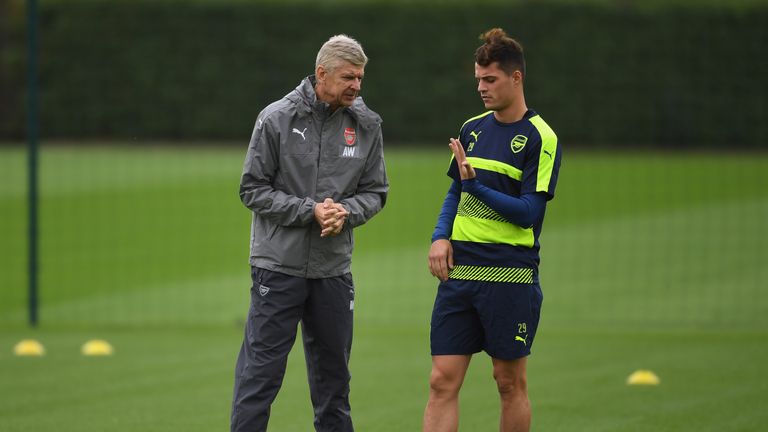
column 491, row 231
column 495, row 166
column 547, row 155
column 472, row 207
column 474, row 118
column 492, row 274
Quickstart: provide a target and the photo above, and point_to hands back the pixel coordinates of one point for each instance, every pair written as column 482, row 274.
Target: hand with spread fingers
column 465, row 169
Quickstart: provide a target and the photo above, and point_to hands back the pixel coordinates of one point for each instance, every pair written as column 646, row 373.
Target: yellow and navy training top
column 515, row 159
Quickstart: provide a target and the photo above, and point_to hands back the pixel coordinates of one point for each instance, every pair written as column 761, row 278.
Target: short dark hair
column 499, row 47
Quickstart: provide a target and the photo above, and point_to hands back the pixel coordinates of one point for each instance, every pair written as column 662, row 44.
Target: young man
column 485, row 248
column 314, row 170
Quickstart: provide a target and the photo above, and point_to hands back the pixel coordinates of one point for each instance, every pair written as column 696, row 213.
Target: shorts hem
column 508, row 356
column 453, row 352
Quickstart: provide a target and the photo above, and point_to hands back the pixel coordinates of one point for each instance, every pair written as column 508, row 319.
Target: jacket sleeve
column 372, row 188
column 257, row 192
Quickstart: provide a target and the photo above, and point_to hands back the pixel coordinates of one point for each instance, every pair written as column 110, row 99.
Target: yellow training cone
column 97, row 347
column 29, row 347
column 643, row 377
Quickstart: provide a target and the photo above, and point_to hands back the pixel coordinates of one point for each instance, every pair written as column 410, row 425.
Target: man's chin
column 490, row 106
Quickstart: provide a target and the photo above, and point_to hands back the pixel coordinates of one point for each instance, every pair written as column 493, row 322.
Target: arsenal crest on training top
column 349, row 136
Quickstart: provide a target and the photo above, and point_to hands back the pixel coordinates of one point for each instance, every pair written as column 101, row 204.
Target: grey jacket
column 300, row 154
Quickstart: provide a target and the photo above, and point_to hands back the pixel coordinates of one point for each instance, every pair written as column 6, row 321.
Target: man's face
column 341, row 85
column 496, row 88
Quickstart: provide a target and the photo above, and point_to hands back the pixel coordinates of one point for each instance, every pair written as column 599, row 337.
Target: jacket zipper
column 321, row 125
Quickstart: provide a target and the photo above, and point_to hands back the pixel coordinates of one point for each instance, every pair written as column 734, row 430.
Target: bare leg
column 513, row 391
column 442, row 412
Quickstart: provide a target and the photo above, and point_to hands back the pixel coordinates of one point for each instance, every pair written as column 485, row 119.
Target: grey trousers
column 278, row 303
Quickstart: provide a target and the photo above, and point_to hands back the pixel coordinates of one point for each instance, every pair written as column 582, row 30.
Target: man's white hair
column 338, row 49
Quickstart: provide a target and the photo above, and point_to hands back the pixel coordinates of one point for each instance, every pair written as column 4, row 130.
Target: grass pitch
column 649, row 261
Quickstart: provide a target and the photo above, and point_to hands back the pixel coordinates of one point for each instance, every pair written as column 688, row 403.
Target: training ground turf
column 650, row 261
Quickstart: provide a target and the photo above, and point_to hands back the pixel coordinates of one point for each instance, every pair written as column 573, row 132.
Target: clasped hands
column 331, row 216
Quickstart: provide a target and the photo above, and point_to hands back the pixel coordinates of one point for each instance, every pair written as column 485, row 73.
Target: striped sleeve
column 548, row 158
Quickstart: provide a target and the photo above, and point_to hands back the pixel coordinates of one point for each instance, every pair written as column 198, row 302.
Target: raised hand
column 465, row 169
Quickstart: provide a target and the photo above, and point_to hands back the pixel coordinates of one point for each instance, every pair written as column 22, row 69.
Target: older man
column 314, row 170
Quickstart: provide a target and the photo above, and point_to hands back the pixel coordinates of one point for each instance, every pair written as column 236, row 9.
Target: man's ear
column 320, row 73
column 517, row 77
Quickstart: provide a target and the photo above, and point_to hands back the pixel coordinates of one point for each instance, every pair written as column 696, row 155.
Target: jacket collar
column 306, row 102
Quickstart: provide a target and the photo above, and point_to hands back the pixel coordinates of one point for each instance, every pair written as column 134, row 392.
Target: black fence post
column 32, row 159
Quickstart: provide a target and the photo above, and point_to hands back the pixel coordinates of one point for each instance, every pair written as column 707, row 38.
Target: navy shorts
column 496, row 317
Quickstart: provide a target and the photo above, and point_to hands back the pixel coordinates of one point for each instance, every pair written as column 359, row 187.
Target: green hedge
column 600, row 75
column 12, row 51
